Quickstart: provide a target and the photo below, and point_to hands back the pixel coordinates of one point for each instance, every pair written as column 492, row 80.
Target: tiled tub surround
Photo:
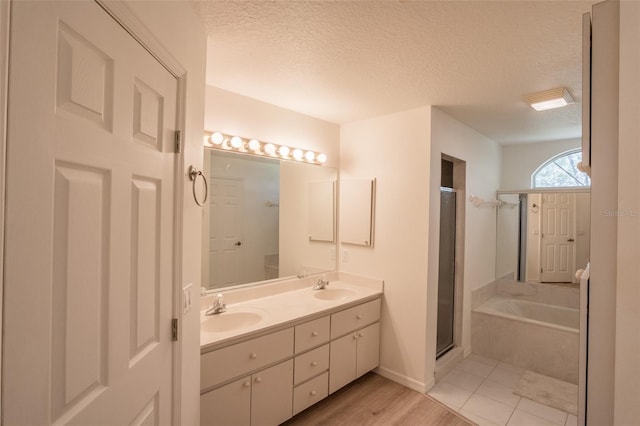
column 307, row 344
column 529, row 325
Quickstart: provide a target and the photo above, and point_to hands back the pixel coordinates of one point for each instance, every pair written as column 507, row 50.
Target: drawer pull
column 314, row 334
column 314, row 363
column 258, row 379
column 313, row 393
column 246, row 384
column 358, row 316
column 253, row 355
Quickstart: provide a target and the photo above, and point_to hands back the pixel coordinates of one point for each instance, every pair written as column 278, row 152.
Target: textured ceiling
column 347, row 60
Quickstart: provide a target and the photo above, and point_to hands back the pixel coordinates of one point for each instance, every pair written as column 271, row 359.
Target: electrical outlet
column 332, row 253
column 345, row 256
column 187, row 298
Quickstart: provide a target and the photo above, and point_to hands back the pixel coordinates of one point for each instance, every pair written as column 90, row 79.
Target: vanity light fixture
column 217, row 140
column 549, row 99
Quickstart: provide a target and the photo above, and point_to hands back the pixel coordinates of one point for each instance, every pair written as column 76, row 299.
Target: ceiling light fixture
column 549, row 99
column 222, row 142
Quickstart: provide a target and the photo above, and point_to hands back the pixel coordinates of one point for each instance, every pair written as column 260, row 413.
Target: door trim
column 5, row 27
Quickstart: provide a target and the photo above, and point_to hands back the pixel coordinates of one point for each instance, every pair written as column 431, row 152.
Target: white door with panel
column 225, row 235
column 89, row 222
column 558, row 237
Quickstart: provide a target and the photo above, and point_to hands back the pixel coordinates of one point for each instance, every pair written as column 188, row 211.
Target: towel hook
column 193, row 176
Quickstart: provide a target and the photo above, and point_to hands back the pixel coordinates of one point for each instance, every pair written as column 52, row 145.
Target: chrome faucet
column 218, row 306
column 322, row 283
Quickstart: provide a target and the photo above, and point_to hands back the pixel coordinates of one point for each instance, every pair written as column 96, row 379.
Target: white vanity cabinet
column 358, row 350
column 268, row 379
column 263, row 398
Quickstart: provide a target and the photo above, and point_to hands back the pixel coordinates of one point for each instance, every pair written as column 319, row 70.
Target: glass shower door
column 446, row 271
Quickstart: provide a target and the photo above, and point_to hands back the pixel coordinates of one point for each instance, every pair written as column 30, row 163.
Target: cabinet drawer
column 309, row 393
column 354, row 318
column 241, row 358
column 310, row 364
column 312, row 333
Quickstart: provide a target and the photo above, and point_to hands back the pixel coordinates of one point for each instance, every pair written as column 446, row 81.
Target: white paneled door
column 558, row 237
column 89, row 222
column 225, row 232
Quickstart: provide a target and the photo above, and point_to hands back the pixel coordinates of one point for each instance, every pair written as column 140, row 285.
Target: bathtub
column 535, row 336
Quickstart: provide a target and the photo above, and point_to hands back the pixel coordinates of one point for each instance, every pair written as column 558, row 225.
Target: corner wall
column 627, row 340
column 482, row 156
column 394, row 149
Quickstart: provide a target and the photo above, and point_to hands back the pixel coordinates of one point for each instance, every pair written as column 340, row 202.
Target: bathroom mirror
column 542, row 236
column 266, row 219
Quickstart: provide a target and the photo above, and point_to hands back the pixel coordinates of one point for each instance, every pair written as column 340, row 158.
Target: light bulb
column 298, row 154
column 284, row 151
column 216, row 138
column 236, row 142
column 254, row 145
column 321, row 158
column 270, row 148
column 310, row 155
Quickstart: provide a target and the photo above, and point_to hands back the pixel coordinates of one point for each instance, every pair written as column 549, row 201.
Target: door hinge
column 178, row 140
column 174, row 329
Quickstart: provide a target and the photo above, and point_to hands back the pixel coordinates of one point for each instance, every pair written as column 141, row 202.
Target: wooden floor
column 374, row 400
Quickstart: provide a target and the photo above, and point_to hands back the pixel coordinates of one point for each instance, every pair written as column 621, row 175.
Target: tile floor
column 481, row 389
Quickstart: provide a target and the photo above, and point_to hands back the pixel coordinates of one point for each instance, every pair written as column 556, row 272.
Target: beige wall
column 482, row 157
column 394, row 149
column 234, row 114
column 188, row 47
column 604, row 228
column 521, row 160
column 627, row 339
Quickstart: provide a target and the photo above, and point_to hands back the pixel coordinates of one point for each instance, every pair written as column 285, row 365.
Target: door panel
column 89, row 242
column 225, row 238
column 558, row 237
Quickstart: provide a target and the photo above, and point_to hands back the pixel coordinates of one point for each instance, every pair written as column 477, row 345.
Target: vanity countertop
column 269, row 312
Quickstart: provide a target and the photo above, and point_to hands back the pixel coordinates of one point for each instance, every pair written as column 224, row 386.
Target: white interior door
column 225, row 227
column 558, row 237
column 89, row 222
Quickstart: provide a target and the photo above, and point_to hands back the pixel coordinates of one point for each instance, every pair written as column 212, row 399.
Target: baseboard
column 404, row 380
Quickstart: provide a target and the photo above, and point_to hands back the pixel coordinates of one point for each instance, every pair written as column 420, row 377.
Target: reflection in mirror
column 542, row 236
column 256, row 221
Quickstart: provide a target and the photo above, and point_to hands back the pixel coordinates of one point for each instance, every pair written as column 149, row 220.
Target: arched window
column 561, row 171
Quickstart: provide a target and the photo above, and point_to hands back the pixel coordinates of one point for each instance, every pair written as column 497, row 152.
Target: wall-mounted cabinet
column 357, row 211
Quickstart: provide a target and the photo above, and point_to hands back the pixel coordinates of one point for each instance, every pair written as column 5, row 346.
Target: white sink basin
column 230, row 320
column 333, row 294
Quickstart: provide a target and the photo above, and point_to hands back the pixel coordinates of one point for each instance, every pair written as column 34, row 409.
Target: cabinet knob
column 253, row 355
column 314, row 333
column 314, row 363
column 246, row 384
column 359, row 316
column 360, row 334
column 258, row 379
column 313, row 393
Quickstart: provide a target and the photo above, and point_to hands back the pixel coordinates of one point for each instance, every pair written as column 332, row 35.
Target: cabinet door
column 272, row 395
column 368, row 353
column 342, row 362
column 228, row 405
